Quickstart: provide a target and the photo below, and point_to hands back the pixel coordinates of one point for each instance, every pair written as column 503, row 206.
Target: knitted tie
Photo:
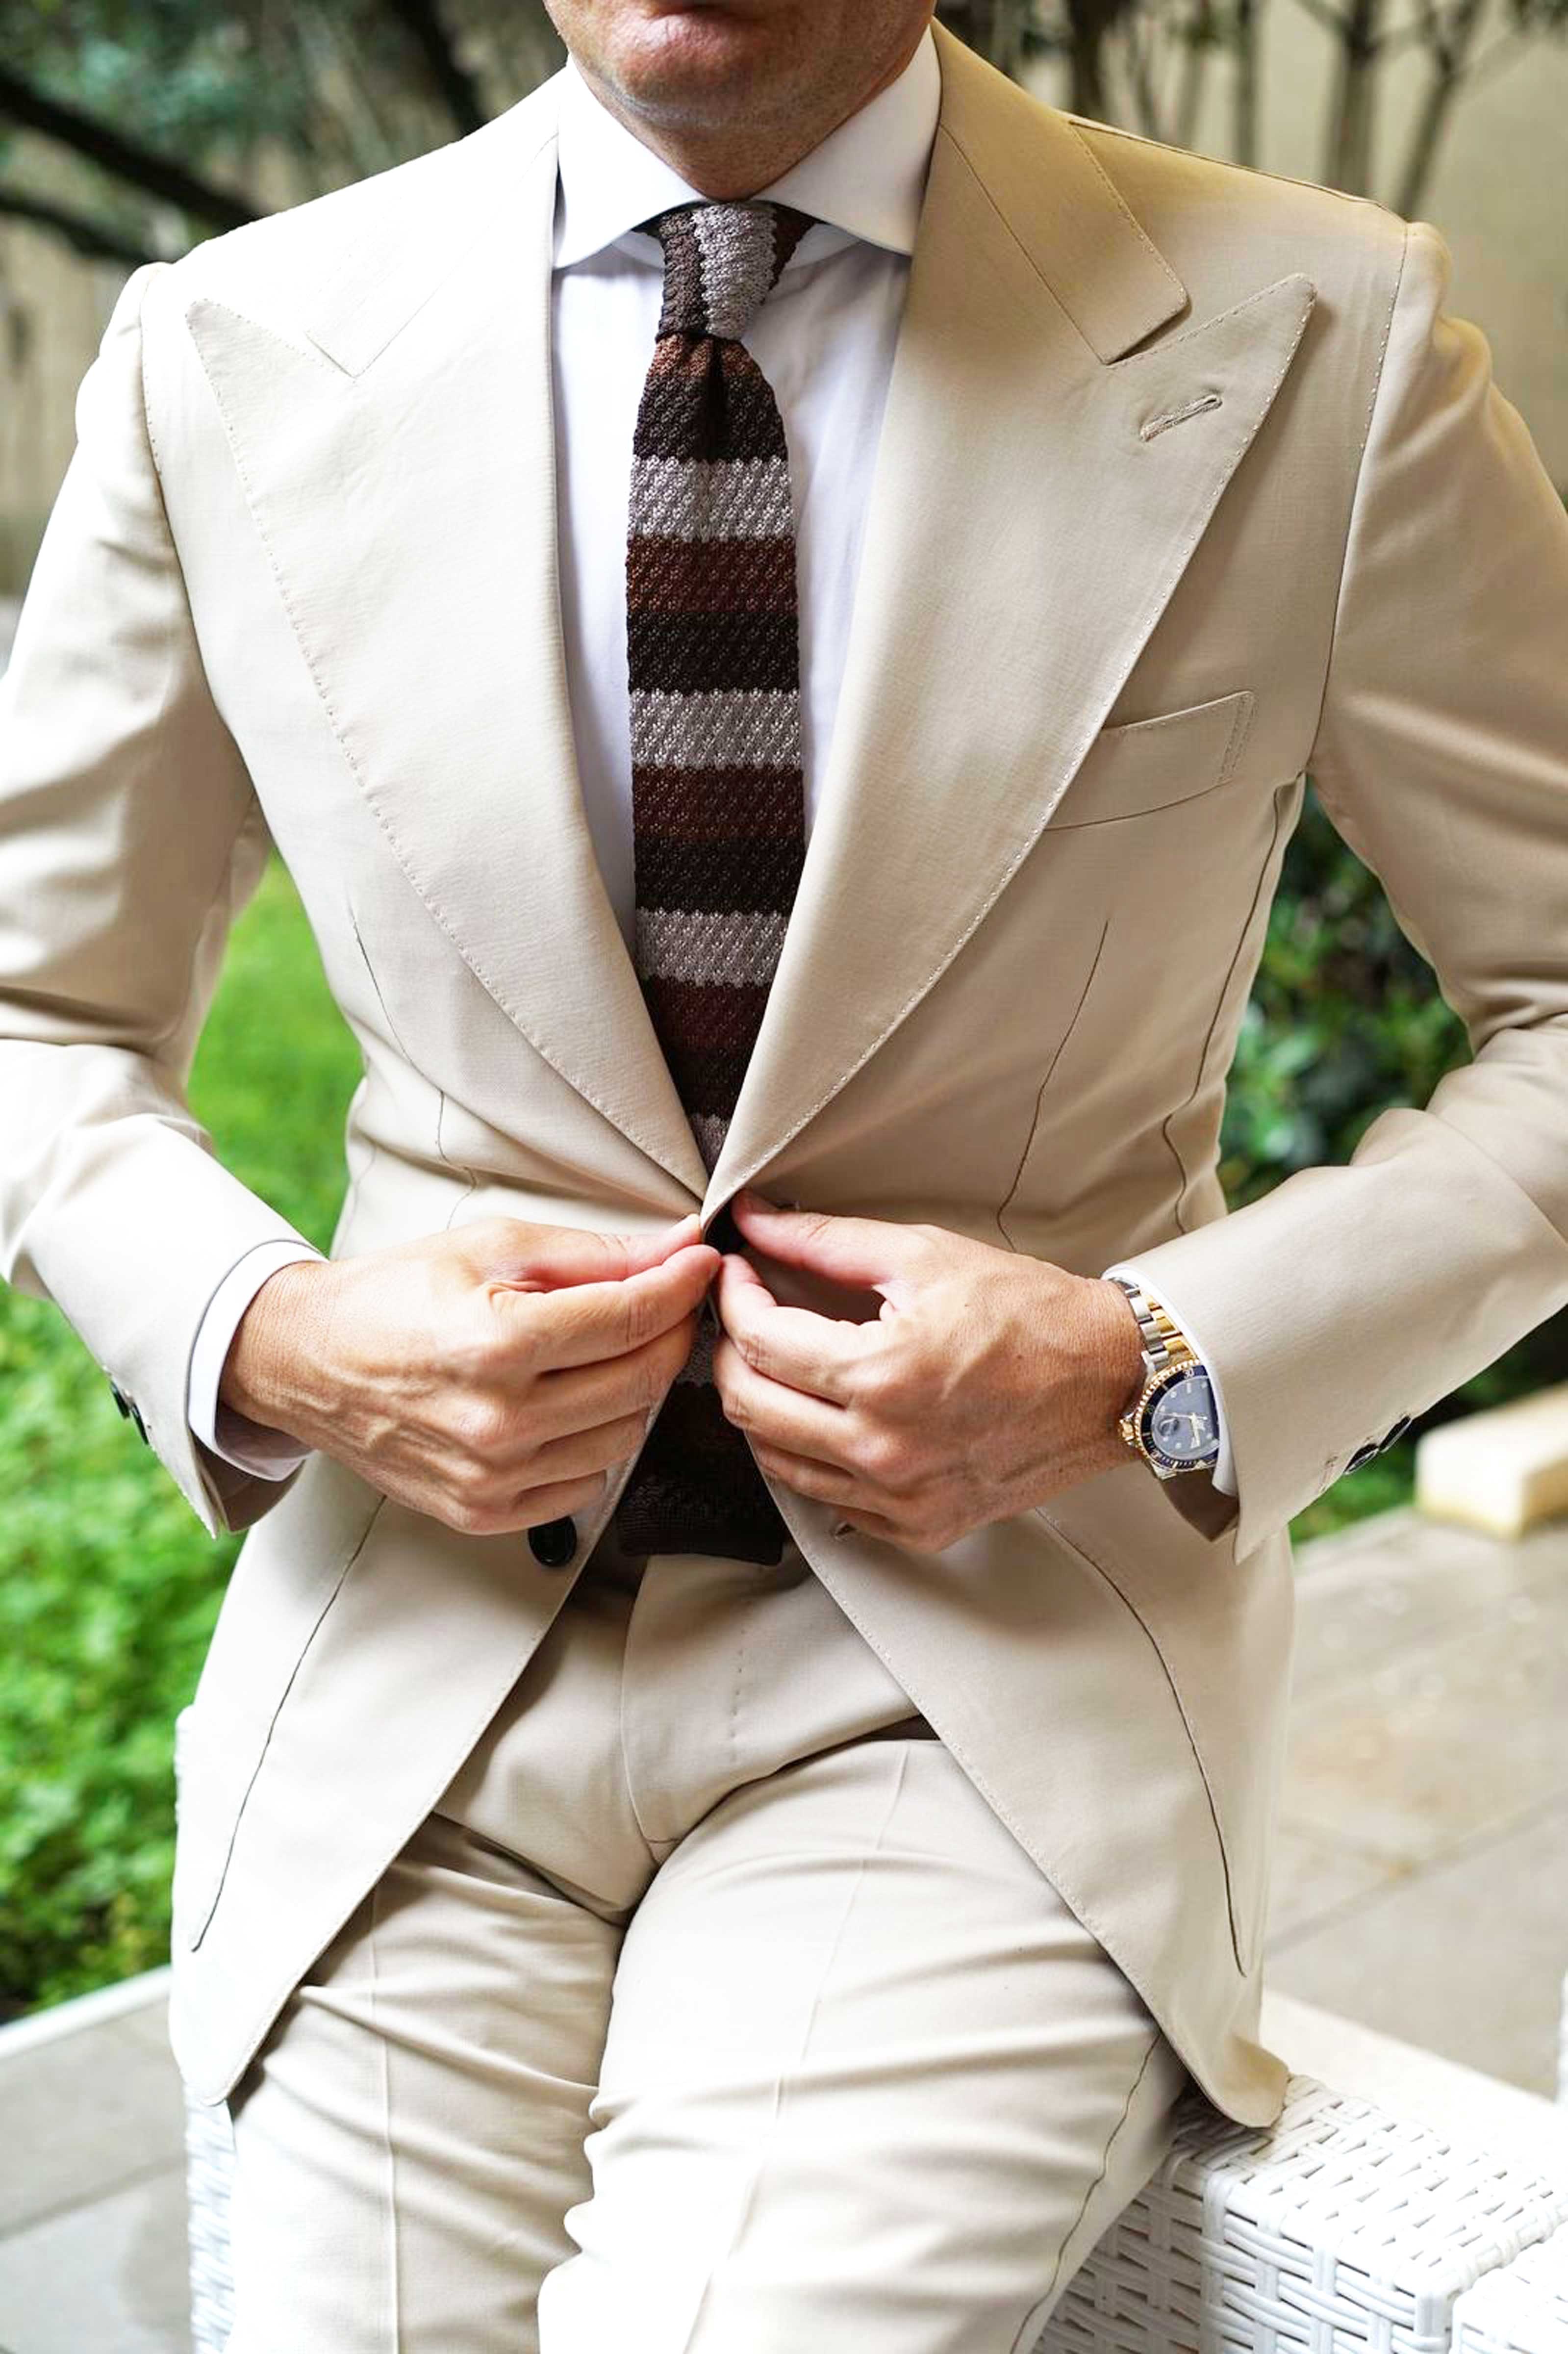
column 717, row 802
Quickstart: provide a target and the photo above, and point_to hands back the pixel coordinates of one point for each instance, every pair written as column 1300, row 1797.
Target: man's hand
column 489, row 1375
column 988, row 1383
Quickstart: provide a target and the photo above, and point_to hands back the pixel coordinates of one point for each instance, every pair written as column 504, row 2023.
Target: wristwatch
column 1173, row 1423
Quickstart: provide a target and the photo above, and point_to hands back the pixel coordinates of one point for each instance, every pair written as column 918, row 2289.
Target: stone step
column 1501, row 1471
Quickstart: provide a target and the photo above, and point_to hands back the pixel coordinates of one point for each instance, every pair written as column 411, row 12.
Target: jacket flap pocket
column 1153, row 764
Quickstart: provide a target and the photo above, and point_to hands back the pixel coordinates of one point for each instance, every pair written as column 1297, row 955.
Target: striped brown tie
column 718, row 803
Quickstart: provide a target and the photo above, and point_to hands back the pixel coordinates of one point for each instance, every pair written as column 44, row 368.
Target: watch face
column 1179, row 1423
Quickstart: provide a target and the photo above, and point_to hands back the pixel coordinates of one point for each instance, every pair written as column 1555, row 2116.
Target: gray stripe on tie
column 735, row 242
column 711, row 498
column 729, row 727
column 710, row 1129
column 735, row 946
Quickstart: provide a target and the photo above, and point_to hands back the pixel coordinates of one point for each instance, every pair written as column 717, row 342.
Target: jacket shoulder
column 1209, row 216
column 271, row 267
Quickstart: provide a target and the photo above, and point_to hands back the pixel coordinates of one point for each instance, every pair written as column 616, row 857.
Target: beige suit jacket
column 1186, row 482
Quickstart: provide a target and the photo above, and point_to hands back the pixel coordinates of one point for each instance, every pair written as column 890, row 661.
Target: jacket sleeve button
column 129, row 1406
column 552, row 1543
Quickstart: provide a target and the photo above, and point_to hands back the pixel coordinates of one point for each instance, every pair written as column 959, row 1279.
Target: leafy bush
column 109, row 1587
column 1346, row 1018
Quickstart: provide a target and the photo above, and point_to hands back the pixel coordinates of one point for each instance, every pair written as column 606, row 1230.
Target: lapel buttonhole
column 1147, row 431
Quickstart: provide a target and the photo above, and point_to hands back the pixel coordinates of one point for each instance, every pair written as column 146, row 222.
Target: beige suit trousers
column 714, row 2011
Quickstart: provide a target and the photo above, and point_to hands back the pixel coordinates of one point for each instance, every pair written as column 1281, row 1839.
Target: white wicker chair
column 1522, row 2309
column 209, row 2163
column 1338, row 2228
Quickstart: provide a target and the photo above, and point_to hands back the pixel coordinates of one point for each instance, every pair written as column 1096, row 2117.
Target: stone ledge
column 1501, row 1471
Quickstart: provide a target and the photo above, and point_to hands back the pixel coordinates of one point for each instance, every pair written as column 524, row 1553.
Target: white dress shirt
column 824, row 339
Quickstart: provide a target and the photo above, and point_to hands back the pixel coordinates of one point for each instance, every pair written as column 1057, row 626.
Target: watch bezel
column 1171, row 1466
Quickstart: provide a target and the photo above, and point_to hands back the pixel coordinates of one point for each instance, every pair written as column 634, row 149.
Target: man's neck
column 729, row 165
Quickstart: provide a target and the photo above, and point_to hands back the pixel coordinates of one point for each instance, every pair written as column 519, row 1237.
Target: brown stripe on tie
column 724, row 1013
column 721, row 804
column 718, row 837
column 681, row 394
column 725, row 575
column 710, row 875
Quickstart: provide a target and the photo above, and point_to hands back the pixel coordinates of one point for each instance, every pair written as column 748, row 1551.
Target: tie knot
column 721, row 263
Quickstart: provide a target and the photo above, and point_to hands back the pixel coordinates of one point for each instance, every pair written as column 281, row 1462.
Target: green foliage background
column 1346, row 1019
column 109, row 1586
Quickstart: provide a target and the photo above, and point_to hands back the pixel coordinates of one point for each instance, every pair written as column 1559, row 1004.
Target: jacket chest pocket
column 1145, row 765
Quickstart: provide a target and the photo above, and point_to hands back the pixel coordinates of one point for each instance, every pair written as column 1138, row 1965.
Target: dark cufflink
column 1376, row 1446
column 552, row 1543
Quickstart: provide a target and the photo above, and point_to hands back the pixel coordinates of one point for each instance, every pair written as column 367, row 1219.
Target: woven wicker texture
column 209, row 2163
column 1339, row 2227
column 1522, row 2310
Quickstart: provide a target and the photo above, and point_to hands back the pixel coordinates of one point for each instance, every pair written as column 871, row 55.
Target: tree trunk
column 1086, row 58
column 1450, row 57
column 1199, row 49
column 995, row 28
column 1145, row 102
column 422, row 22
column 1348, row 162
column 1243, row 135
column 153, row 174
column 92, row 238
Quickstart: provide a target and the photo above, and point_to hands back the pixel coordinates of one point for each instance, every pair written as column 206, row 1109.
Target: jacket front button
column 552, row 1543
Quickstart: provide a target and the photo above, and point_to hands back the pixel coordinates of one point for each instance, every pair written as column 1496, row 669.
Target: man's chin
column 702, row 66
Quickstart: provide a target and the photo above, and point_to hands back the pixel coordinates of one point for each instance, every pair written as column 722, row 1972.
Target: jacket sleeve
column 1350, row 1298
column 130, row 837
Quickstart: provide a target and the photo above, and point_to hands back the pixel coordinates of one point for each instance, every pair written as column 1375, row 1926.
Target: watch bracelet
column 1164, row 1342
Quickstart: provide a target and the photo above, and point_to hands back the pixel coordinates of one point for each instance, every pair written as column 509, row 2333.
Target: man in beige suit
column 603, row 1946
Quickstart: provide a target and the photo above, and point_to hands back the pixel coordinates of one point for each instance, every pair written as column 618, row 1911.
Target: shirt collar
column 867, row 179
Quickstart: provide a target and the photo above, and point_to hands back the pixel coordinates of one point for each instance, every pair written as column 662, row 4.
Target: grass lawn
column 109, row 1585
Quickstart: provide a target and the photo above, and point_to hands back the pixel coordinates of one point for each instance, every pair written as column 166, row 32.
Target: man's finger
column 815, row 1354
column 776, row 1415
column 544, row 1258
column 652, row 1250
column 874, row 1252
column 829, row 1483
column 585, row 1324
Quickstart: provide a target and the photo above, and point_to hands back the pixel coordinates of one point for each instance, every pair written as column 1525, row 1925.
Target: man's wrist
column 268, row 1338
column 1120, row 1349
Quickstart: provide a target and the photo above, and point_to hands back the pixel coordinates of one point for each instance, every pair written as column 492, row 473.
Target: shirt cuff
column 1223, row 1474
column 249, row 1445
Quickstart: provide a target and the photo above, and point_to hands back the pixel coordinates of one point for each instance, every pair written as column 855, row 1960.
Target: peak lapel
column 400, row 467
column 1025, row 532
